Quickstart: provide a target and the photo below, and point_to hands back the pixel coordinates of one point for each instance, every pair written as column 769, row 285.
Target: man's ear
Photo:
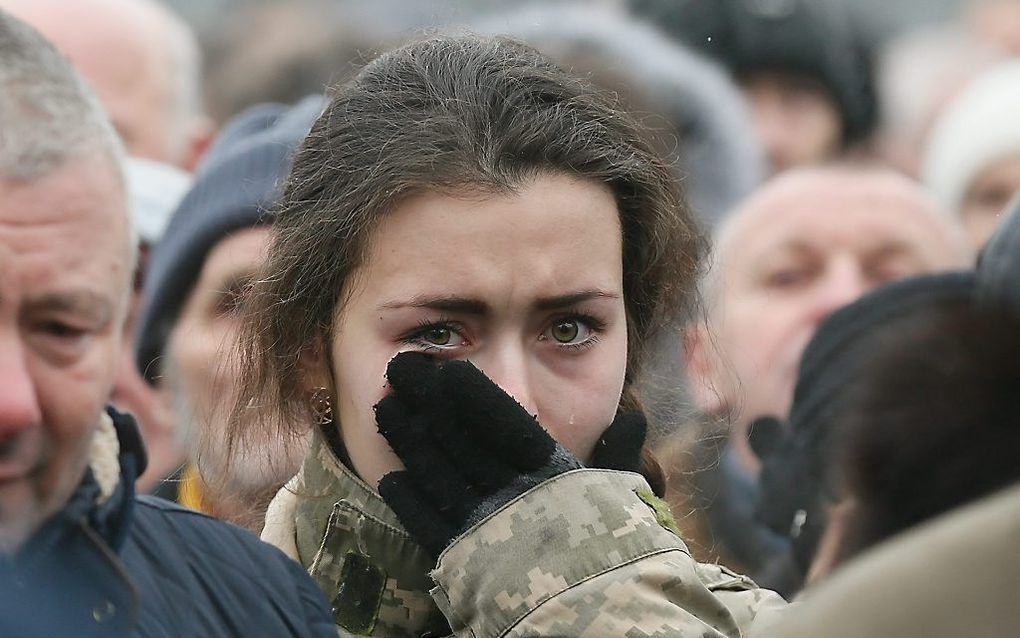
column 701, row 367
column 201, row 131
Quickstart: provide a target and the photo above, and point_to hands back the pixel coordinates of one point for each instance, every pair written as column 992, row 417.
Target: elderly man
column 79, row 553
column 807, row 243
column 143, row 63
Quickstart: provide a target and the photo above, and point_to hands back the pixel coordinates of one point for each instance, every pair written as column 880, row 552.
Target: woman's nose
column 507, row 367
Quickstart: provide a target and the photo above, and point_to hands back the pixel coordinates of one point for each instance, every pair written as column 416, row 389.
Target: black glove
column 468, row 447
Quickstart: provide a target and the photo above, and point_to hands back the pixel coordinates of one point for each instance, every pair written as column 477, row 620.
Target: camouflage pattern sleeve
column 585, row 554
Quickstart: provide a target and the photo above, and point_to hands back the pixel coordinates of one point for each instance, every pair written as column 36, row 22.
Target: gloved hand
column 469, row 448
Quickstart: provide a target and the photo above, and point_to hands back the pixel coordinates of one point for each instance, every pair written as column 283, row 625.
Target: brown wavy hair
column 455, row 115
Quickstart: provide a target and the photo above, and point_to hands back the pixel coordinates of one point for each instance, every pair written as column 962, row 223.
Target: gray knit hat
column 238, row 180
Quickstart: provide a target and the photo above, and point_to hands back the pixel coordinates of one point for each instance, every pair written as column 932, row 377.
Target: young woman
column 473, row 249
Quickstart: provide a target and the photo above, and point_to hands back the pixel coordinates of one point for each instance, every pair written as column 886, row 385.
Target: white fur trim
column 279, row 529
column 104, row 457
column 979, row 127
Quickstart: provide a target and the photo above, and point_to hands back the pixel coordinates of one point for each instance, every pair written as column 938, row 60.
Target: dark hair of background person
column 936, row 422
column 815, row 39
column 458, row 115
column 799, row 478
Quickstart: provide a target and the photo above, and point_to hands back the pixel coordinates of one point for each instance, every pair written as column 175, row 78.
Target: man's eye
column 61, row 330
column 786, row 278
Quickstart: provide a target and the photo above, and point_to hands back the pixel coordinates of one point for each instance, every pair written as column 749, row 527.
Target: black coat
column 141, row 566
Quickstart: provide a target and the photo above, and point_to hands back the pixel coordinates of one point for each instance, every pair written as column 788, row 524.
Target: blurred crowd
column 832, row 402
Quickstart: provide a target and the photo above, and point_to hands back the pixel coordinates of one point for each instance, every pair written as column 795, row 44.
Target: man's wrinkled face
column 201, row 372
column 65, row 265
column 807, row 244
column 527, row 286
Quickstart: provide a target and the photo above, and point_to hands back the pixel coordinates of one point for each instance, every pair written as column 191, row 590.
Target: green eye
column 437, row 336
column 565, row 331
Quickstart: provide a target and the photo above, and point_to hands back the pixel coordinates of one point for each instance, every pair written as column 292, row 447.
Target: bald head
column 840, row 203
column 808, row 242
column 142, row 61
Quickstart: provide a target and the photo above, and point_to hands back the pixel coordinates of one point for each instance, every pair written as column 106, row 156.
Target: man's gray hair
column 47, row 113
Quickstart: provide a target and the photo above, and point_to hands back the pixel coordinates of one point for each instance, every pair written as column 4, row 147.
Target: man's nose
column 507, row 366
column 842, row 284
column 19, row 403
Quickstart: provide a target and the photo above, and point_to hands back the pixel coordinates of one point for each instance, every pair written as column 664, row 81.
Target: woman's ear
column 700, row 367
column 314, row 369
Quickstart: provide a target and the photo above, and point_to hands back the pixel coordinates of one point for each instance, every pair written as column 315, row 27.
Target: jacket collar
column 104, row 499
column 343, row 533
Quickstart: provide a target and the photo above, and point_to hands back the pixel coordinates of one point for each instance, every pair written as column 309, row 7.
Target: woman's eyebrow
column 462, row 305
column 560, row 301
column 466, row 305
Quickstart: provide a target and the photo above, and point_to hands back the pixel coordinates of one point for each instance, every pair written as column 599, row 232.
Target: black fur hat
column 814, row 38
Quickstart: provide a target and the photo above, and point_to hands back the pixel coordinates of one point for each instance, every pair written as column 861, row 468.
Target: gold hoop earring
column 322, row 406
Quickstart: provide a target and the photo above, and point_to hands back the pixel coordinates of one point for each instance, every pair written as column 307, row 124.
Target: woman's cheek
column 359, row 389
column 578, row 422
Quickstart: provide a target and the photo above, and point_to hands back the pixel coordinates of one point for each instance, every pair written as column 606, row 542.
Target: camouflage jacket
column 587, row 553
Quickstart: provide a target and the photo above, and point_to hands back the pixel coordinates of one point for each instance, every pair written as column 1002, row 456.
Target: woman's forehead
column 555, row 236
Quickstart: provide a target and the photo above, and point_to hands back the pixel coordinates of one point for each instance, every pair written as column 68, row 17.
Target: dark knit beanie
column 998, row 269
column 239, row 179
column 813, row 38
column 796, row 469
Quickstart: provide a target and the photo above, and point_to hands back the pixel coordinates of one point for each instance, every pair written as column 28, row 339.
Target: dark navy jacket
column 142, row 566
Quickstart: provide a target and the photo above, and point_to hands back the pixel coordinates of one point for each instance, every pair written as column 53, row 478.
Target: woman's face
column 528, row 287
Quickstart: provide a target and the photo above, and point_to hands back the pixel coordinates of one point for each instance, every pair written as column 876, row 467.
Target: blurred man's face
column 796, row 120
column 64, row 280
column 124, row 54
column 201, row 372
column 987, row 197
column 806, row 244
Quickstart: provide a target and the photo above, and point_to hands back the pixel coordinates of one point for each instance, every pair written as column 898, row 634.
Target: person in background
column 934, row 475
column 80, row 553
column 900, row 588
column 154, row 190
column 807, row 243
column 917, row 370
column 997, row 22
column 210, row 253
column 281, row 51
column 144, row 64
column 919, row 72
column 804, row 70
column 799, row 481
column 971, row 161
